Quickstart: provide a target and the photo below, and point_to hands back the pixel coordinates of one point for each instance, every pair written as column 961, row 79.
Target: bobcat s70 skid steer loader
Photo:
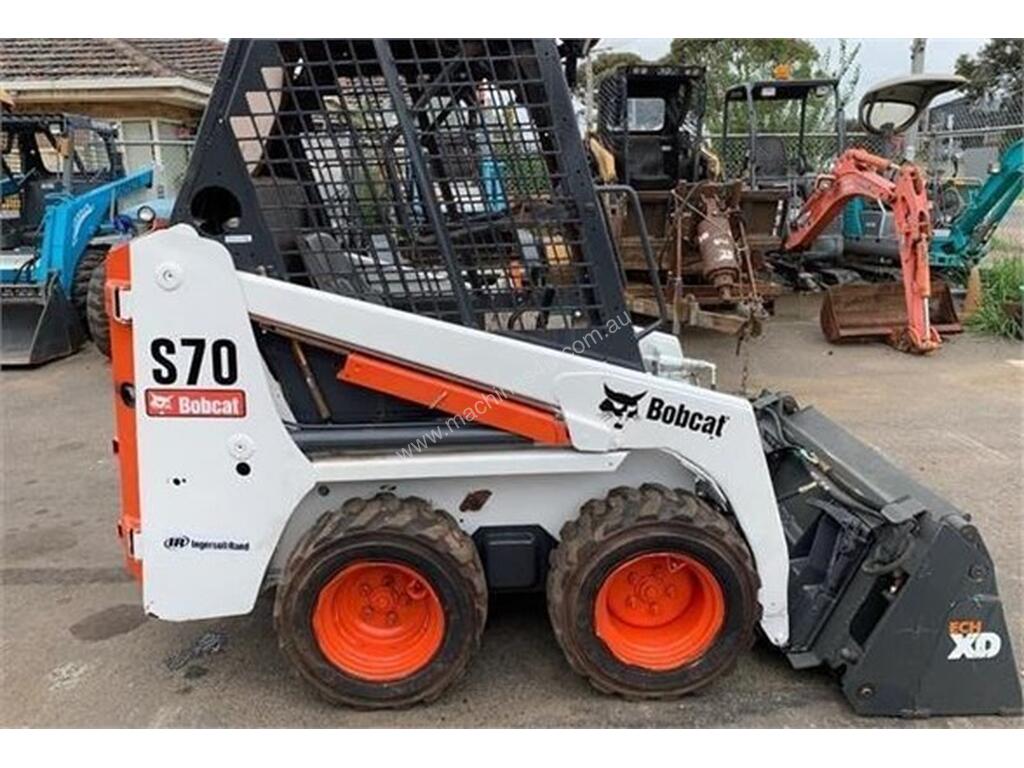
column 382, row 365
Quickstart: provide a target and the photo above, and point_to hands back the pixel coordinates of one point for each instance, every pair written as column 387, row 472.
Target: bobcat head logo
column 160, row 403
column 620, row 407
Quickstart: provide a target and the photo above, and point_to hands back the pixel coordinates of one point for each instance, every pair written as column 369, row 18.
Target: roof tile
column 60, row 58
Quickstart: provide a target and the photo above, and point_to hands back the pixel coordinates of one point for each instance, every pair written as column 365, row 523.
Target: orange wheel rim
column 659, row 611
column 378, row 621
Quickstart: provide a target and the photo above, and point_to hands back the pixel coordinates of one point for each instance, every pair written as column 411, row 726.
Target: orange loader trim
column 123, row 370
column 488, row 407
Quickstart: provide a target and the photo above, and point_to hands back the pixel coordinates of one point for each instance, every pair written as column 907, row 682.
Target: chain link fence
column 965, row 137
column 814, row 155
column 169, row 160
column 961, row 138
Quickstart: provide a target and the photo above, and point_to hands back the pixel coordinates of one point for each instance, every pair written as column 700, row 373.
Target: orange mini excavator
column 912, row 319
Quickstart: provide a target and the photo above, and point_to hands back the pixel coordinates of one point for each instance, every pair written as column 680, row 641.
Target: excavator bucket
column 865, row 311
column 38, row 324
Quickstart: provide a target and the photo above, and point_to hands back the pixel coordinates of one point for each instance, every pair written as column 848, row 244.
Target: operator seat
column 770, row 160
column 646, row 163
column 33, row 208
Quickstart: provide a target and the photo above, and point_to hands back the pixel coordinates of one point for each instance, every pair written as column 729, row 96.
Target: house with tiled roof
column 155, row 90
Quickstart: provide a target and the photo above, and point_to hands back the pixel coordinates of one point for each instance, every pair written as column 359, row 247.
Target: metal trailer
column 381, row 365
column 649, row 140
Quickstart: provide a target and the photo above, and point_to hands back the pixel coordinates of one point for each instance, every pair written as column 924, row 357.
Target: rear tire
column 92, row 258
column 97, row 319
column 652, row 593
column 354, row 609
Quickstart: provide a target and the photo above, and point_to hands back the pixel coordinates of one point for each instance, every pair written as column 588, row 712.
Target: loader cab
column 650, row 119
column 444, row 178
column 42, row 156
column 757, row 122
column 777, row 164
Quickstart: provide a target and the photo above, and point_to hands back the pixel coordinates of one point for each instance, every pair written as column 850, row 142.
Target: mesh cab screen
column 441, row 177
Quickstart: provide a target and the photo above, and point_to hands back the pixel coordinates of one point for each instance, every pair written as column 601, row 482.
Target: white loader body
column 224, row 491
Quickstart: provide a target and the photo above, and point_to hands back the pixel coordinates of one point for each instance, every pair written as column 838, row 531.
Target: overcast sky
column 880, row 59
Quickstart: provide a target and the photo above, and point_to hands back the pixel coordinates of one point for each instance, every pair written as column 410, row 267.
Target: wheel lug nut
column 631, row 602
column 367, row 612
column 392, row 619
column 364, row 588
column 654, row 609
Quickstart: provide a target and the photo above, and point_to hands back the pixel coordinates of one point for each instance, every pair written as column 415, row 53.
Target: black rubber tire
column 97, row 320
column 385, row 527
column 626, row 523
column 91, row 259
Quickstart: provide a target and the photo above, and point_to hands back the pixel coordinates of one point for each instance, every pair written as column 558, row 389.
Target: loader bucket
column 890, row 585
column 863, row 311
column 37, row 324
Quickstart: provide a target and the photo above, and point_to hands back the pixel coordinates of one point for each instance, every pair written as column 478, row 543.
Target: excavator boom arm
column 859, row 173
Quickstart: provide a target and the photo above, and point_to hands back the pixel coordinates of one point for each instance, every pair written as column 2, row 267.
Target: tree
column 608, row 61
column 846, row 70
column 997, row 70
column 733, row 61
column 730, row 61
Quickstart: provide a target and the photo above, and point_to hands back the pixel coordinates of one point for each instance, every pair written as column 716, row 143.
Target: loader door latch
column 119, row 301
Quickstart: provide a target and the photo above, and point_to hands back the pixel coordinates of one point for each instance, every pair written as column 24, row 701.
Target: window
column 49, row 157
column 173, row 157
column 91, row 153
column 646, row 115
column 137, row 137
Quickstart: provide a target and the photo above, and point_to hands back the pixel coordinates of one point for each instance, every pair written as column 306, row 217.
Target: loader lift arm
column 858, row 173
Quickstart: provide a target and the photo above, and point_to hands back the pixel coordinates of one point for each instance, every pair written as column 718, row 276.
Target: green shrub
column 1002, row 293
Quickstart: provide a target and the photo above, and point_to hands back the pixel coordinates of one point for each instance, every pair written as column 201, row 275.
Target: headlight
column 146, row 214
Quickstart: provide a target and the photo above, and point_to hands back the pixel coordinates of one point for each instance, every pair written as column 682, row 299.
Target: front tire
column 80, row 286
column 382, row 604
column 96, row 316
column 652, row 593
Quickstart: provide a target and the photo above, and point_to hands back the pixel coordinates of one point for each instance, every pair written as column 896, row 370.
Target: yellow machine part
column 604, row 160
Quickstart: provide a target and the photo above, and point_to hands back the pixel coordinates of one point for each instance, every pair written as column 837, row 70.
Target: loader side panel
column 218, row 474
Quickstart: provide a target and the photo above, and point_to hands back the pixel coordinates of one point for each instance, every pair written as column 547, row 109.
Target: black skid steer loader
column 382, row 363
